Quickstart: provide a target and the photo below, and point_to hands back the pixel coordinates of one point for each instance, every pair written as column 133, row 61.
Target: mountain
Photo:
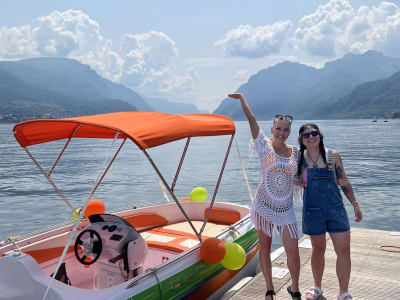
column 162, row 105
column 341, row 76
column 308, row 92
column 21, row 100
column 376, row 98
column 273, row 90
column 70, row 77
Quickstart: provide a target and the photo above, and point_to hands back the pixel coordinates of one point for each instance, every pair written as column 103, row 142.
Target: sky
column 195, row 51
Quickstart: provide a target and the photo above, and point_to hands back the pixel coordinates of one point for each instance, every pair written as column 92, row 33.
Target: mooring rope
column 244, row 173
column 384, row 248
column 154, row 271
column 80, row 216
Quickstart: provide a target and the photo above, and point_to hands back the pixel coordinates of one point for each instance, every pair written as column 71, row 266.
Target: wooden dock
column 375, row 273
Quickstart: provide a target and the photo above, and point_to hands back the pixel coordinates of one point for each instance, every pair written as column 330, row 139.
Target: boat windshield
column 108, row 218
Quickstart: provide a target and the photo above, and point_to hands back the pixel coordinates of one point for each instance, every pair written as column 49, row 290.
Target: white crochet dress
column 273, row 204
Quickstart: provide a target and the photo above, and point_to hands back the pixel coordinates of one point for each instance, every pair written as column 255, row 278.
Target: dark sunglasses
column 284, row 117
column 306, row 135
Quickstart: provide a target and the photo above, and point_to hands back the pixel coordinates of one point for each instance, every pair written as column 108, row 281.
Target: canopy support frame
column 180, row 164
column 108, row 167
column 62, row 151
column 217, row 185
column 47, row 176
column 75, row 227
column 171, row 193
column 49, row 180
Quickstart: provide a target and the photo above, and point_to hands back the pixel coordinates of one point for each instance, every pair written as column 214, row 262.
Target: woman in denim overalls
column 323, row 210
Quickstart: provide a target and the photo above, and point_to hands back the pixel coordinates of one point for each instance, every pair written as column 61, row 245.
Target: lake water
column 370, row 152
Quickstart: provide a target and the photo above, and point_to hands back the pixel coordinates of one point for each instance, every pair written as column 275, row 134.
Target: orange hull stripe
column 210, row 287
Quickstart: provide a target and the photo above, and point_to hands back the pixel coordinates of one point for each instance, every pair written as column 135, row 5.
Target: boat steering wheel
column 94, row 246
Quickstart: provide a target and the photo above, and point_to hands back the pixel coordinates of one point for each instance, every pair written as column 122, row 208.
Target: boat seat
column 146, row 220
column 179, row 237
column 43, row 255
column 222, row 216
column 172, row 240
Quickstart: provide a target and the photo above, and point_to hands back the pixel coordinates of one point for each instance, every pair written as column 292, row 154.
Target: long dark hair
column 302, row 147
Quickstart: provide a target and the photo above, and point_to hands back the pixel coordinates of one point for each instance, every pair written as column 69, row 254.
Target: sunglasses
column 285, row 117
column 306, row 135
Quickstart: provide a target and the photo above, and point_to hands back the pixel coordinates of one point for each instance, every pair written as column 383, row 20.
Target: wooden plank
column 375, row 273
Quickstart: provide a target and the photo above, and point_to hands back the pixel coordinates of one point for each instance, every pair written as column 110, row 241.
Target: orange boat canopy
column 146, row 129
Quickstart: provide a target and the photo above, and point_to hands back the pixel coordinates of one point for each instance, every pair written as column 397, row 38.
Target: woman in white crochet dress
column 273, row 204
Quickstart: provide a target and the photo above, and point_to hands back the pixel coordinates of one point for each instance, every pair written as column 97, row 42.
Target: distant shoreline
column 372, row 119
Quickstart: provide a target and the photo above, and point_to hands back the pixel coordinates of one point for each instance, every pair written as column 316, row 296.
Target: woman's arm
column 254, row 128
column 344, row 183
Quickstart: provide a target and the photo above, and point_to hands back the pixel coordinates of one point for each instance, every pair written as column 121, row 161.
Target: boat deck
column 179, row 237
column 375, row 273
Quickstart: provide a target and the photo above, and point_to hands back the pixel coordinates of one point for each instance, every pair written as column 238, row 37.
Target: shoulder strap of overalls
column 330, row 160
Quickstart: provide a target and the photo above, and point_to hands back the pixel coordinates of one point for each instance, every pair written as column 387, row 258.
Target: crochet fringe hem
column 268, row 227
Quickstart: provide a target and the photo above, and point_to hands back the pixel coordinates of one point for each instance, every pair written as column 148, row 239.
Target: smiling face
column 280, row 130
column 311, row 137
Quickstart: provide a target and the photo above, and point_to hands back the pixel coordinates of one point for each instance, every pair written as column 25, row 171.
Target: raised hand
column 254, row 128
column 238, row 96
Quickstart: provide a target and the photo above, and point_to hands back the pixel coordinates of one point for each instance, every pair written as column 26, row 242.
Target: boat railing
column 20, row 238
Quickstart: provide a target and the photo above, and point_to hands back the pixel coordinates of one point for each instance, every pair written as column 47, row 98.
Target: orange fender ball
column 94, row 207
column 212, row 250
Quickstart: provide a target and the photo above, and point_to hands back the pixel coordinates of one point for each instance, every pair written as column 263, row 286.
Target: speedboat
column 150, row 252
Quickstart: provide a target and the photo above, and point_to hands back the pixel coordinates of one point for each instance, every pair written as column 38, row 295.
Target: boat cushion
column 172, row 240
column 222, row 216
column 43, row 255
column 146, row 220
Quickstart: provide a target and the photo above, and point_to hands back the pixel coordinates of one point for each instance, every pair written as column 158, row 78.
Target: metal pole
column 106, row 170
column 180, row 164
column 56, row 188
column 62, row 151
column 217, row 185
column 50, row 181
column 171, row 193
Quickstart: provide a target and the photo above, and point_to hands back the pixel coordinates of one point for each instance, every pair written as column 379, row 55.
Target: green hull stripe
column 182, row 282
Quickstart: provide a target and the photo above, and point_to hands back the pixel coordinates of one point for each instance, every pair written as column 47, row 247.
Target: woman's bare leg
column 293, row 258
column 265, row 259
column 318, row 258
column 341, row 243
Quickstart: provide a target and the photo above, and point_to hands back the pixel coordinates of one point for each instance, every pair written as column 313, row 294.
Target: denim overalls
column 323, row 209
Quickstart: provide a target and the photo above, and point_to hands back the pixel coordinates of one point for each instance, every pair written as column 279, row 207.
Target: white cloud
column 375, row 28
column 241, row 76
column 336, row 28
column 332, row 30
column 62, row 33
column 144, row 62
column 149, row 66
column 255, row 42
column 17, row 42
column 145, row 57
column 321, row 32
column 103, row 59
column 170, row 84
